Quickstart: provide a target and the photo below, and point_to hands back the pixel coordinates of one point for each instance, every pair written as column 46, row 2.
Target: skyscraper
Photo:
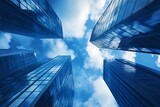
column 50, row 84
column 132, row 85
column 33, row 18
column 13, row 60
column 132, row 25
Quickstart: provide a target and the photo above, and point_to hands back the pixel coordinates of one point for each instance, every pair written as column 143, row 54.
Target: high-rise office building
column 13, row 60
column 131, row 84
column 132, row 25
column 50, row 84
column 33, row 18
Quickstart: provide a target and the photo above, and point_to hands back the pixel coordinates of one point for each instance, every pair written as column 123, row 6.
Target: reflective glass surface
column 12, row 60
column 131, row 84
column 135, row 22
column 43, row 86
column 34, row 18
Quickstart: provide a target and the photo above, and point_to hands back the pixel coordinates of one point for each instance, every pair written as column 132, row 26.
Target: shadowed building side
column 33, row 18
column 12, row 60
column 131, row 84
column 49, row 84
column 130, row 25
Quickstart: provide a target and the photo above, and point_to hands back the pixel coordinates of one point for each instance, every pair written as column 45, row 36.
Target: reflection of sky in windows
column 35, row 82
column 133, row 23
column 115, row 43
column 44, row 15
column 143, row 82
column 10, row 60
column 133, row 49
column 129, row 69
column 140, row 27
column 154, row 18
column 112, row 15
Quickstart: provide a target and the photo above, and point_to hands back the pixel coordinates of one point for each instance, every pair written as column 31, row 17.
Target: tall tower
column 131, row 25
column 48, row 84
column 13, row 60
column 33, row 18
column 131, row 84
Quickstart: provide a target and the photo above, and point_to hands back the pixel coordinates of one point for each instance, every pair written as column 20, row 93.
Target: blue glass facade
column 131, row 84
column 13, row 60
column 50, row 84
column 34, row 18
column 132, row 25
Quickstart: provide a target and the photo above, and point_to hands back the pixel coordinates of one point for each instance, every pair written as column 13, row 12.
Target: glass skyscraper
column 48, row 83
column 132, row 25
column 13, row 60
column 131, row 84
column 34, row 18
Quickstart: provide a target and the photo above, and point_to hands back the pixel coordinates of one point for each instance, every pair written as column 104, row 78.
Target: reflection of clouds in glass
column 55, row 68
column 146, row 49
column 41, row 13
column 129, row 69
column 130, row 30
column 40, row 87
column 140, row 27
column 154, row 18
column 115, row 43
column 35, row 54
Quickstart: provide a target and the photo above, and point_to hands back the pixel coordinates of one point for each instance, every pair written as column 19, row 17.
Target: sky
column 78, row 19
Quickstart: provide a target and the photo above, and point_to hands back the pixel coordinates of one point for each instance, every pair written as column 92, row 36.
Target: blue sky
column 78, row 19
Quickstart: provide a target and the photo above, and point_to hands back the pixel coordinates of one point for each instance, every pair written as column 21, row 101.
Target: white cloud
column 58, row 47
column 45, row 47
column 95, row 57
column 5, row 38
column 158, row 61
column 75, row 13
column 130, row 56
column 97, row 8
column 101, row 96
column 74, row 24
